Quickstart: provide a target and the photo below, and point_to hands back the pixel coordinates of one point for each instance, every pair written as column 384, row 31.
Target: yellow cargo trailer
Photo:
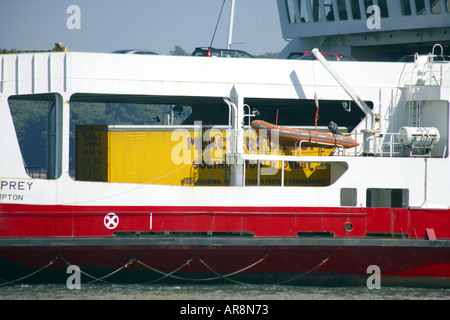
column 183, row 156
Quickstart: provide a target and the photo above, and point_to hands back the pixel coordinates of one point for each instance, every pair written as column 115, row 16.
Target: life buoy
column 292, row 137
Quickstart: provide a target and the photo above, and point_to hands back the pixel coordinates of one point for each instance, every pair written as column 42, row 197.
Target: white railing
column 390, row 145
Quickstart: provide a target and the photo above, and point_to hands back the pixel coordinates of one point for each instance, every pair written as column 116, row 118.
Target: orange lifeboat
column 292, row 137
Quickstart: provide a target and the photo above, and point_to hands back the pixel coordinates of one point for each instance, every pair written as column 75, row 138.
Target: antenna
column 217, row 24
column 230, row 27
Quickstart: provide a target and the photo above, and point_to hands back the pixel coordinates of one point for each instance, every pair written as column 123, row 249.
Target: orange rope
column 317, row 110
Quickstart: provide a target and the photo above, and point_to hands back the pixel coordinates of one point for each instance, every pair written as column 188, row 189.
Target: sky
column 156, row 25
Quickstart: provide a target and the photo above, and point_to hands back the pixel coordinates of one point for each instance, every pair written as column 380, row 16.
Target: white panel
column 68, row 73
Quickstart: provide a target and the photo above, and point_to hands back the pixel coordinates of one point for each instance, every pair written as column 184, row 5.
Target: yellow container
column 183, row 156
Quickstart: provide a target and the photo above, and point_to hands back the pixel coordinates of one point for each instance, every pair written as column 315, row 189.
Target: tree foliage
column 31, row 122
column 179, row 51
column 267, row 55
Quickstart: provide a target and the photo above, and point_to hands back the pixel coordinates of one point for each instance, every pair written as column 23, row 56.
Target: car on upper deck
column 328, row 57
column 296, row 55
column 136, row 51
column 220, row 53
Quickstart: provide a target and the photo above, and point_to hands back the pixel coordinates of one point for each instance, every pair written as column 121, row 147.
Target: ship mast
column 230, row 27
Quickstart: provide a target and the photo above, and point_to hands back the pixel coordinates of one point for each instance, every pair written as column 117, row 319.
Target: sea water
column 224, row 301
column 194, row 292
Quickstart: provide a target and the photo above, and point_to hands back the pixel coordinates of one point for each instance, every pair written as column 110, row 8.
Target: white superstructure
column 413, row 95
column 367, row 30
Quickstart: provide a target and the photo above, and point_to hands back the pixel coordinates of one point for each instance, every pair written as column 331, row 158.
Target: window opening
column 367, row 4
column 383, row 8
column 304, row 13
column 435, row 6
column 420, row 7
column 348, row 197
column 291, row 11
column 356, row 10
column 342, row 9
column 387, row 198
column 37, row 120
column 406, row 7
column 316, row 10
column 329, row 13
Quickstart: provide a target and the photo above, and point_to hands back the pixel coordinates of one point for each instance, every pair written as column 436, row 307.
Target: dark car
column 221, row 53
column 296, row 55
column 328, row 57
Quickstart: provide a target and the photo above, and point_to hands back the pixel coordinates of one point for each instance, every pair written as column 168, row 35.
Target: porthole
column 348, row 227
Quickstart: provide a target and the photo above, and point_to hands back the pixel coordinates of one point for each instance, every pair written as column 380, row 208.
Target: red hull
column 31, row 236
column 195, row 259
column 88, row 221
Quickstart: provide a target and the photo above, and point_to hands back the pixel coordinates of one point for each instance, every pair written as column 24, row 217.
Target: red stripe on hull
column 88, row 221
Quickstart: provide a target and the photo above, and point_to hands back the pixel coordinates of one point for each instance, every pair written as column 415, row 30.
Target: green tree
column 267, row 55
column 31, row 124
column 179, row 51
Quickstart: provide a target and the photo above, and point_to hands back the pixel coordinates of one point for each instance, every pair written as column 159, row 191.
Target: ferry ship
column 212, row 200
